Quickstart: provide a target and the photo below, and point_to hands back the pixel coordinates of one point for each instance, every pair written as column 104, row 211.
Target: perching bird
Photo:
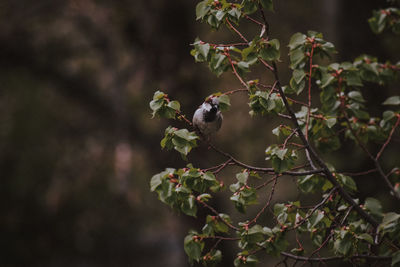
column 207, row 119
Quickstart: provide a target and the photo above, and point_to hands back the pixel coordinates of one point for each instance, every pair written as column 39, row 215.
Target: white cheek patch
column 206, row 106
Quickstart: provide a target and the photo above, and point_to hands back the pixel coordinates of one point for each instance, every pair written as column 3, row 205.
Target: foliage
column 340, row 223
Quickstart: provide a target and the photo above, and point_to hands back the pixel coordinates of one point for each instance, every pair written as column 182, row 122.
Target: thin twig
column 267, row 203
column 266, row 170
column 253, row 20
column 359, row 173
column 320, row 247
column 389, row 138
column 315, row 208
column 217, row 166
column 182, row 116
column 288, row 138
column 236, row 90
column 309, row 89
column 265, row 184
column 222, row 166
column 221, row 238
column 217, row 214
column 235, row 30
column 336, row 258
column 234, row 70
column 376, row 162
column 266, row 64
column 297, row 102
column 228, row 45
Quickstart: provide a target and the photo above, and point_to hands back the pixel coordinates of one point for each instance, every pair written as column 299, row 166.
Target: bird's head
column 212, row 103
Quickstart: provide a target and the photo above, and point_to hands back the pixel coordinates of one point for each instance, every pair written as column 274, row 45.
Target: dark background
column 78, row 147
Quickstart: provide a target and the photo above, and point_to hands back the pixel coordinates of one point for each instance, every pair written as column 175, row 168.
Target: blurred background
column 77, row 143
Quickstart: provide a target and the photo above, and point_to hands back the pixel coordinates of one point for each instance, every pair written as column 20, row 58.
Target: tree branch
column 317, row 159
column 374, row 159
column 266, row 170
column 389, row 138
column 316, row 207
column 267, row 203
column 217, row 214
column 336, row 258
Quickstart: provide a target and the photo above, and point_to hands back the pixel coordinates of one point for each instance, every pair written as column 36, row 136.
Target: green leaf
column 377, row 22
column 212, row 258
column 297, row 87
column 243, row 65
column 347, row 66
column 245, row 261
column 388, row 115
column 158, row 95
column 328, row 48
column 202, row 9
column 235, row 13
column 267, row 4
column 357, row 96
column 374, row 206
column 298, row 75
column 297, row 251
column 155, row 182
column 174, row 105
column 366, row 237
column 217, row 61
column 256, row 229
column 314, row 219
column 330, row 122
column 182, row 133
column 243, row 196
column 326, row 79
column 209, row 176
column 204, row 197
column 280, row 244
column 296, row 40
column 343, row 246
column 389, row 221
column 396, row 259
column 393, row 100
column 181, row 140
column 279, row 165
column 242, row 177
column 156, row 104
column 276, row 131
column 353, row 79
column 212, row 20
column 193, row 248
column 281, row 159
column 249, row 6
column 167, row 112
column 271, row 52
column 311, row 183
column 281, row 153
column 361, row 114
column 296, row 57
column 189, row 206
column 204, row 49
column 162, row 107
column 263, row 103
column 347, row 181
column 220, row 15
column 279, row 208
column 334, row 66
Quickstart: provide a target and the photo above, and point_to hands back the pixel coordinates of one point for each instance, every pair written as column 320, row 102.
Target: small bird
column 207, row 119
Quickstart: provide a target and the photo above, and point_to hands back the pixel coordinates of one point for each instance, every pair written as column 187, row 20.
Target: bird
column 207, row 119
